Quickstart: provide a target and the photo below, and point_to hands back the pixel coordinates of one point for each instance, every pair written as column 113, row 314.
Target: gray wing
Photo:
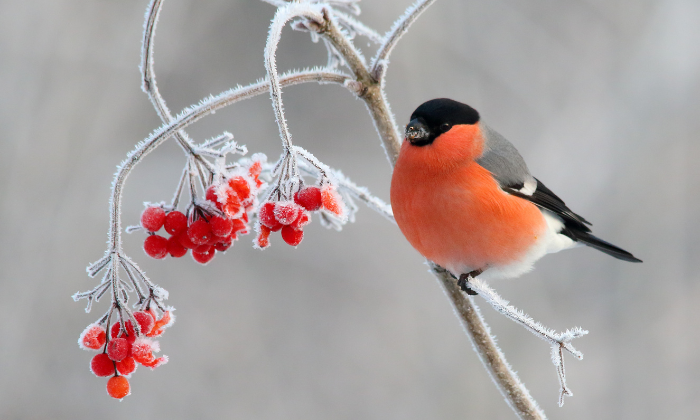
column 504, row 162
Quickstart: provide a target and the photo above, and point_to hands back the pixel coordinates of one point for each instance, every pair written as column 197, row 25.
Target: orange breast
column 460, row 217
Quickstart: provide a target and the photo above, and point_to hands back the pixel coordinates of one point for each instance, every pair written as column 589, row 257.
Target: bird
column 465, row 199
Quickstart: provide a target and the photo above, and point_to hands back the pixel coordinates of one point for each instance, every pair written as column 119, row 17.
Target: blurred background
column 601, row 97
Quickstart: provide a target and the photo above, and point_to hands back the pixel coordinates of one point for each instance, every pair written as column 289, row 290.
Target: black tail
column 599, row 244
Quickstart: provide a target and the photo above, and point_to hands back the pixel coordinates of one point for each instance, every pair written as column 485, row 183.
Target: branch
column 397, row 31
column 506, row 380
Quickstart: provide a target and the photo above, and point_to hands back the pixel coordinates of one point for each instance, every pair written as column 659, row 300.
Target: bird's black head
column 435, row 117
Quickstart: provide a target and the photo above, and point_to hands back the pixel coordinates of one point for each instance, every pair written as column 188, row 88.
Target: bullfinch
column 465, row 199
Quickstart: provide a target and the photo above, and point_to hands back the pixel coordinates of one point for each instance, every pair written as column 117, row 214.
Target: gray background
column 601, row 98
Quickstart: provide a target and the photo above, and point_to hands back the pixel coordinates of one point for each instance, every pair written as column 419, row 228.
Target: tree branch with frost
column 206, row 168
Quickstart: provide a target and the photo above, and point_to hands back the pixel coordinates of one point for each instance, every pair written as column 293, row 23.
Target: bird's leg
column 464, row 280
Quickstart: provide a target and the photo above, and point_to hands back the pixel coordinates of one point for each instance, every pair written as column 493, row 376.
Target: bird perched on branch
column 465, row 199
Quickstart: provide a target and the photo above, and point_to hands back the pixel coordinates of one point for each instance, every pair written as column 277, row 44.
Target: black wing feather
column 574, row 225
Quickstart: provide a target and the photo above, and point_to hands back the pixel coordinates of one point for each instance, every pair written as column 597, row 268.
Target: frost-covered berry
column 142, row 351
column 267, row 215
column 145, row 320
column 238, row 225
column 240, row 186
column 118, row 387
column 301, row 221
column 286, row 212
column 224, row 244
column 211, row 196
column 161, row 324
column 93, row 337
column 309, row 198
column 232, row 206
column 262, row 241
column 185, row 240
column 221, row 226
column 127, row 366
column 152, row 218
column 128, row 333
column 156, row 246
column 292, row 236
column 199, row 232
column 101, row 365
column 175, row 247
column 331, row 200
column 118, row 349
column 254, row 171
column 203, row 255
column 175, row 222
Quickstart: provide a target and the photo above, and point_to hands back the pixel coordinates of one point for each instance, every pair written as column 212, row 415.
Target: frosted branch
column 398, row 30
column 558, row 341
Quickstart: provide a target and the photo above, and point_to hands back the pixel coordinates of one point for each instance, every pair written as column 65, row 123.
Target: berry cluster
column 126, row 347
column 289, row 217
column 208, row 227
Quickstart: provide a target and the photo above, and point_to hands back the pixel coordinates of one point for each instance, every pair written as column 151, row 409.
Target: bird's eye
column 444, row 127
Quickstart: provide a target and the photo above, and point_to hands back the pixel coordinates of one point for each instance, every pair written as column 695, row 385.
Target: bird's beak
column 417, row 133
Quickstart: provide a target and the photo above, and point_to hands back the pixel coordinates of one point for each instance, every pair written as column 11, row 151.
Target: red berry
column 331, row 200
column 175, row 222
column 156, row 246
column 301, row 221
column 240, row 186
column 93, row 337
column 129, row 333
column 221, row 226
column 126, row 366
column 153, row 218
column 286, row 212
column 199, row 232
column 267, row 215
column 118, row 349
column 185, row 241
column 175, row 247
column 224, row 244
column 238, row 225
column 232, row 206
column 244, row 216
column 292, row 236
column 211, row 196
column 205, row 255
column 118, row 387
column 145, row 320
column 143, row 352
column 101, row 365
column 309, row 198
column 262, row 241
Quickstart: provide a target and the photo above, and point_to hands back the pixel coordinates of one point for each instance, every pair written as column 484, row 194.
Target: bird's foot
column 463, row 281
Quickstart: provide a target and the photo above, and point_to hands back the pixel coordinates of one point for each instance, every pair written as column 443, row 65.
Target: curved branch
column 398, row 30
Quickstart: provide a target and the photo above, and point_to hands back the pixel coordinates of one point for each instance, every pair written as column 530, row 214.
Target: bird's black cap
column 437, row 116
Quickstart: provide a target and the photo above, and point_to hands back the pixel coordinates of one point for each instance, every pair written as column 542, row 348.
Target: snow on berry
column 301, row 221
column 127, row 333
column 286, row 212
column 156, row 246
column 292, row 236
column 240, row 187
column 309, row 198
column 175, row 222
column 203, row 253
column 118, row 349
column 238, row 225
column 118, row 387
column 199, row 232
column 161, row 324
column 262, row 241
column 175, row 247
column 221, row 226
column 157, row 362
column 127, row 366
column 332, row 201
column 145, row 320
column 102, row 365
column 266, row 215
column 142, row 350
column 152, row 218
column 211, row 196
column 93, row 337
